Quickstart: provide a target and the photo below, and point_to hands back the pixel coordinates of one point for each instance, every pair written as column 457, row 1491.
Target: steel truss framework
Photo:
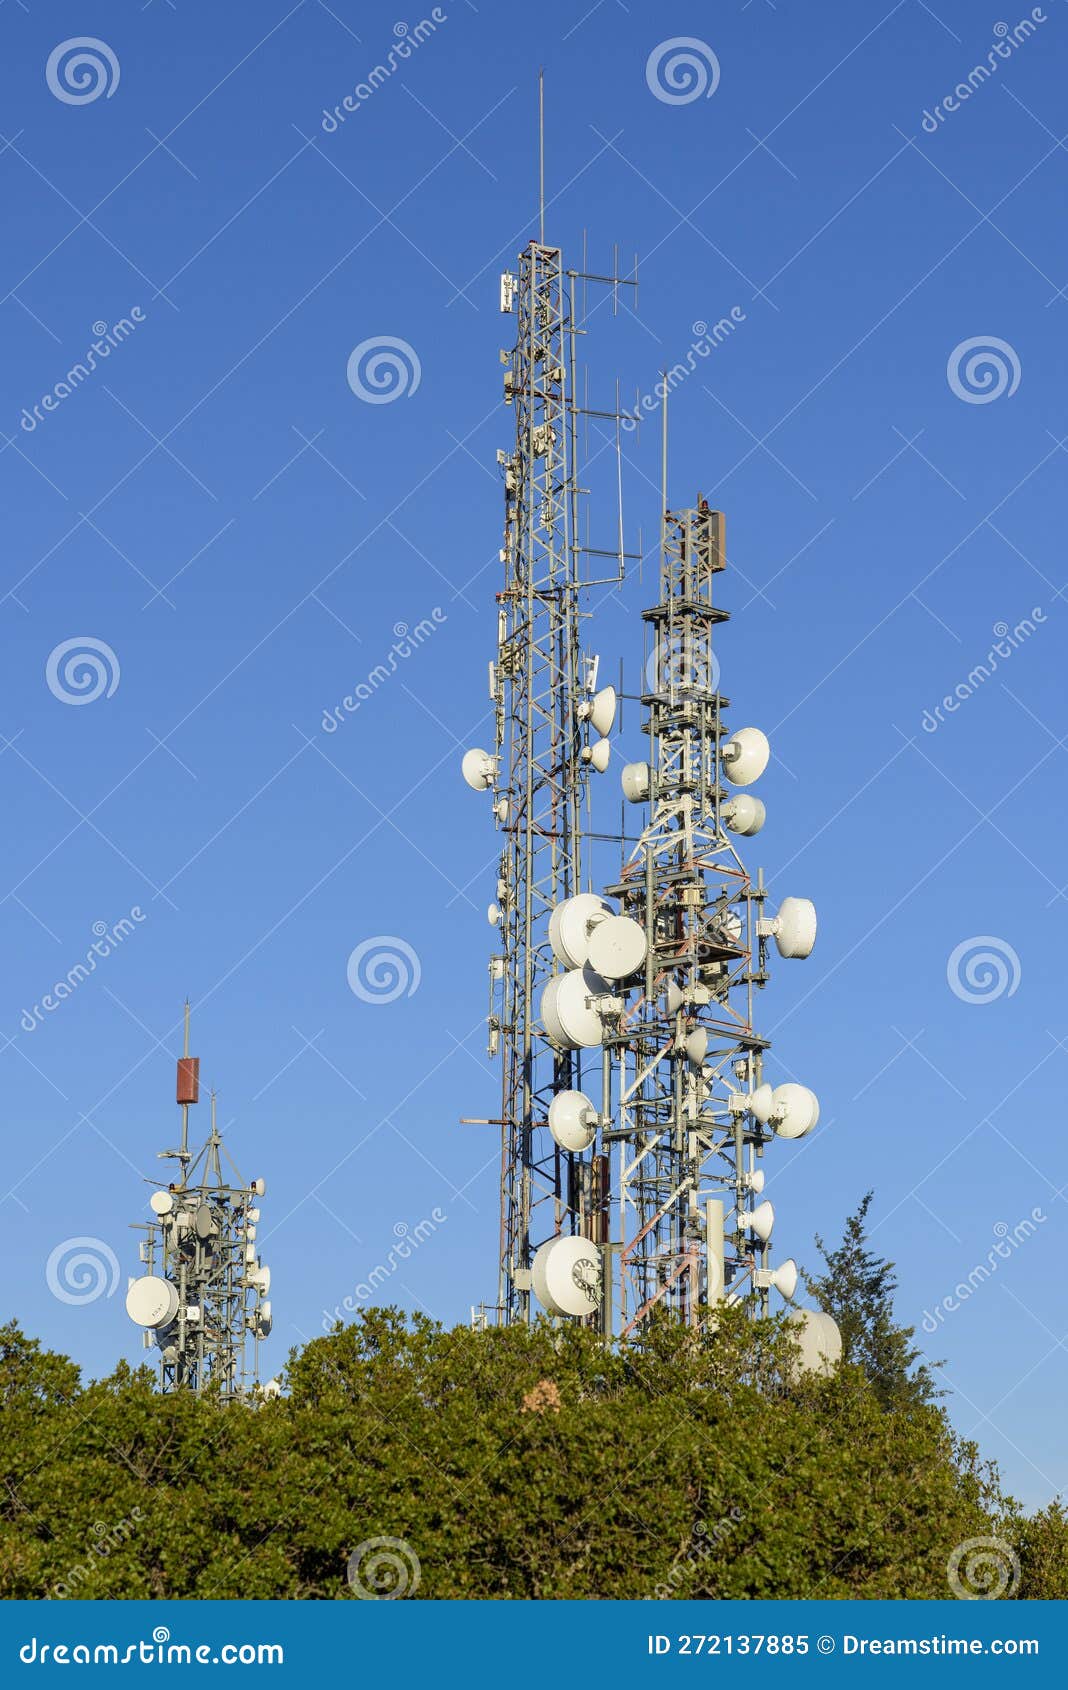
column 679, row 1054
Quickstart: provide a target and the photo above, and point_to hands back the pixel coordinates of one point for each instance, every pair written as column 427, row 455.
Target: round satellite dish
column 635, row 782
column 761, row 1103
column 169, row 1353
column 745, row 814
column 477, row 769
column 819, row 1339
column 602, row 710
column 567, row 1012
column 759, row 1220
column 502, row 810
column 152, row 1301
column 161, row 1202
column 261, row 1278
column 617, row 947
column 567, row 1276
column 784, row 1278
column 252, row 1215
column 571, row 924
column 745, row 756
column 697, row 1045
column 493, row 915
column 796, row 1110
column 572, row 1120
column 795, row 927
column 674, row 997
column 204, row 1221
column 264, row 1312
column 755, row 1181
column 259, row 1186
column 597, row 755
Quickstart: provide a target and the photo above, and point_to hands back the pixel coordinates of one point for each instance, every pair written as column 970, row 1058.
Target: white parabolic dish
column 567, row 1276
column 745, row 756
column 796, row 924
column 152, row 1301
column 820, row 1341
column 572, row 1120
column 617, row 947
column 570, row 924
column 161, row 1202
column 796, row 1110
column 567, row 1013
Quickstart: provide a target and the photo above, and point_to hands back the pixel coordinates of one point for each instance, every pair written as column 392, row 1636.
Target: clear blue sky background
column 245, row 533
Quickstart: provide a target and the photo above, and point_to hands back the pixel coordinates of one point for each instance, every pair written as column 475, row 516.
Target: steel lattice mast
column 203, row 1291
column 625, row 1028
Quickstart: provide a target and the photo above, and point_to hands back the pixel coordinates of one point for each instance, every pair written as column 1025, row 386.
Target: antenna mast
column 625, row 1028
column 203, row 1290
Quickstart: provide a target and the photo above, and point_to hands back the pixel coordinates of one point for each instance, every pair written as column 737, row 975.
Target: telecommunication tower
column 634, row 1109
column 203, row 1292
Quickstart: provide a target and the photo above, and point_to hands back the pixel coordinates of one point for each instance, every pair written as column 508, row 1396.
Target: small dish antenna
column 567, row 1276
column 759, row 1220
column 793, row 929
column 600, row 710
column 478, row 769
column 617, row 947
column 568, row 1010
column 597, row 755
column 745, row 814
column 571, row 925
column 151, row 1301
column 745, row 756
column 634, row 780
column 572, row 1120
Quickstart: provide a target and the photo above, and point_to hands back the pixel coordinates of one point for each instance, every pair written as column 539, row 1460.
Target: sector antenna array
column 635, row 1112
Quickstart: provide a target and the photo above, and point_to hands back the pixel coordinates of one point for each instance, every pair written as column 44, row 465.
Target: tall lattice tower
column 203, row 1293
column 635, row 1114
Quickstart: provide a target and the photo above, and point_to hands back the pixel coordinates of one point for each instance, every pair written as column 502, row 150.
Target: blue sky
column 244, row 533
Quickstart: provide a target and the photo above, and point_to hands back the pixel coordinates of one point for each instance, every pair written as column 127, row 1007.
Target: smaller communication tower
column 203, row 1291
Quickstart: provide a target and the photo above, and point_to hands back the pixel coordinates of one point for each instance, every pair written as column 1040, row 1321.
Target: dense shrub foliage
column 506, row 1464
